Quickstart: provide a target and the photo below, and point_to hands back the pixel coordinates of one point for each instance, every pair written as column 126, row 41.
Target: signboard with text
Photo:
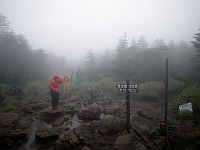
column 123, row 88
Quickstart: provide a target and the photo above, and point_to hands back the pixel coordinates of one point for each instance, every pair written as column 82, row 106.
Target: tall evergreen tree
column 103, row 63
column 196, row 44
column 159, row 44
column 90, row 62
column 142, row 43
column 18, row 63
column 121, row 58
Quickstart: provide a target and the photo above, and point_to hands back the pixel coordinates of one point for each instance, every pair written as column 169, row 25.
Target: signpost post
column 128, row 107
column 128, row 88
column 166, row 104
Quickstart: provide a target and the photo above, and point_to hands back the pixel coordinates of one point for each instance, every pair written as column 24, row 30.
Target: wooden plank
column 144, row 140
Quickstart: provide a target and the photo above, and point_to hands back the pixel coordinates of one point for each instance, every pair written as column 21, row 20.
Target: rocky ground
column 37, row 126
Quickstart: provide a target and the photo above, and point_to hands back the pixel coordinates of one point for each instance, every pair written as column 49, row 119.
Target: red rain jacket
column 53, row 85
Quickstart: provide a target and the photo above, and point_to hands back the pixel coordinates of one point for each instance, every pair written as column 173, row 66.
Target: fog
column 72, row 27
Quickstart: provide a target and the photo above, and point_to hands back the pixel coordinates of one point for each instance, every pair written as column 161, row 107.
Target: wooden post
column 127, row 107
column 166, row 104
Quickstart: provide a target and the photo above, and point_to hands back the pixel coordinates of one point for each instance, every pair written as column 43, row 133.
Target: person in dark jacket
column 78, row 76
column 54, row 90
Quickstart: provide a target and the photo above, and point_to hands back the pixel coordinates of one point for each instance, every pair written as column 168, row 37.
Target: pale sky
column 72, row 27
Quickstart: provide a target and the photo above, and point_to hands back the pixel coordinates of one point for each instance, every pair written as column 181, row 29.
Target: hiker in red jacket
column 54, row 90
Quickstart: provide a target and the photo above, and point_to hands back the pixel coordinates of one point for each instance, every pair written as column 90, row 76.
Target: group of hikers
column 54, row 86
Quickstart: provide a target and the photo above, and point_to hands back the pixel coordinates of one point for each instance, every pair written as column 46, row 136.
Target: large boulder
column 72, row 138
column 46, row 133
column 50, row 113
column 13, row 134
column 8, row 119
column 6, row 143
column 111, row 124
column 113, row 110
column 32, row 104
column 11, row 137
column 91, row 112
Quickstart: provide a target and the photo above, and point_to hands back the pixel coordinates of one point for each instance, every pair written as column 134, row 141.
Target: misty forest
column 25, row 74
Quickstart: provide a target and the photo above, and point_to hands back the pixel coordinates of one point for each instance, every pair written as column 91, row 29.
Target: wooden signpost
column 128, row 88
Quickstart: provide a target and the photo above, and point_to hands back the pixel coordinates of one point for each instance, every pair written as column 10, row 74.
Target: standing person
column 78, row 76
column 66, row 84
column 54, row 90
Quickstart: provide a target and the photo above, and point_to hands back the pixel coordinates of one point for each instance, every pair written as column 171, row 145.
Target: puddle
column 38, row 123
column 75, row 123
column 47, row 123
column 102, row 115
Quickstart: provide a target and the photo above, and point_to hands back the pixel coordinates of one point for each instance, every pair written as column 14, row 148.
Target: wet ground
column 144, row 117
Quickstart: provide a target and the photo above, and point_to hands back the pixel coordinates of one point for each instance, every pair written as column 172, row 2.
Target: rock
column 113, row 110
column 144, row 129
column 66, row 125
column 85, row 148
column 193, row 135
column 11, row 137
column 18, row 135
column 58, row 142
column 82, row 130
column 67, row 117
column 111, row 124
column 7, row 143
column 91, row 112
column 12, row 134
column 136, row 145
column 50, row 113
column 105, row 101
column 18, row 143
column 74, row 99
column 144, row 114
column 95, row 123
column 124, row 140
column 34, row 106
column 72, row 138
column 8, row 119
column 24, row 123
column 159, row 141
column 71, row 112
column 58, row 121
column 46, row 133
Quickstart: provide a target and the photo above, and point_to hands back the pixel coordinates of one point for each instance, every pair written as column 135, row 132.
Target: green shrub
column 155, row 91
column 186, row 114
column 4, row 89
column 190, row 94
column 11, row 101
column 36, row 87
column 108, row 86
column 66, row 118
column 175, row 87
column 149, row 91
column 104, row 87
column 19, row 126
column 9, row 108
column 156, row 135
column 82, row 89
